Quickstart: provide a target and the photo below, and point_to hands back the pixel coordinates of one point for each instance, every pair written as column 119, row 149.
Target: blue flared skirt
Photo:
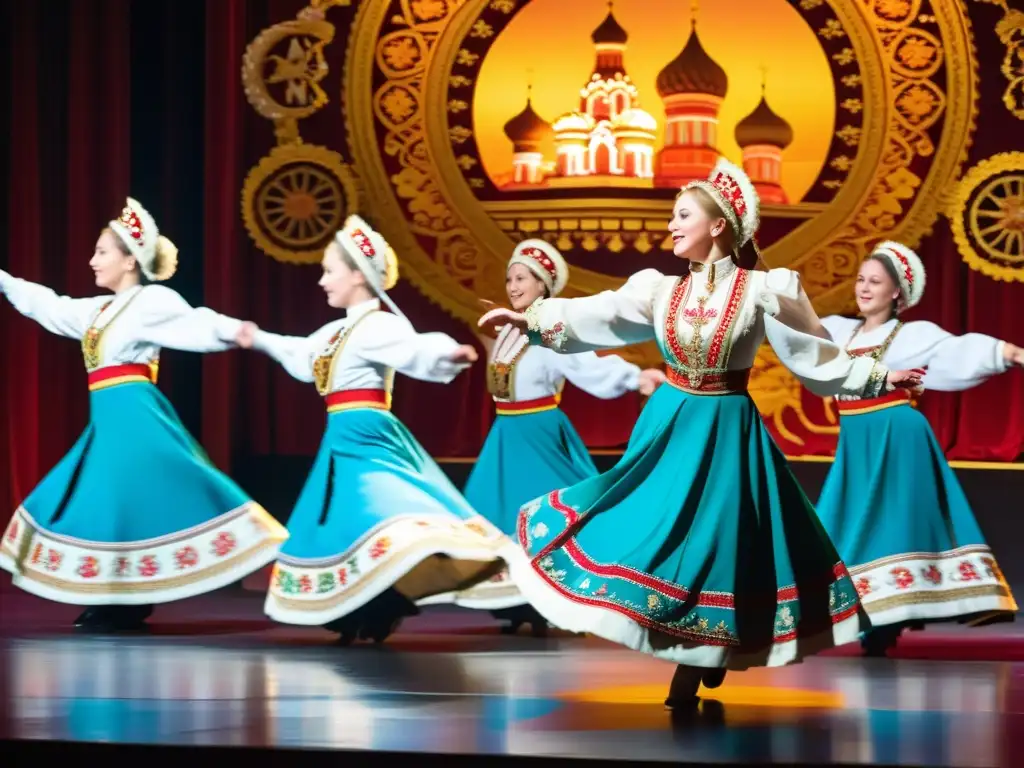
column 135, row 513
column 699, row 546
column 524, row 456
column 376, row 513
column 901, row 522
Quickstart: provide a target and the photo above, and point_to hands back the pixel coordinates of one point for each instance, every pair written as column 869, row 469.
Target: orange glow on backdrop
column 551, row 38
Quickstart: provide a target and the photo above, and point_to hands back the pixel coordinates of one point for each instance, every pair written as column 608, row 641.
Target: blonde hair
column 747, row 257
column 165, row 260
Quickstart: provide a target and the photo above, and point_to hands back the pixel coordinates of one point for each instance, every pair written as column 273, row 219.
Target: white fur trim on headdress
column 739, row 202
column 909, row 269
column 544, row 261
column 372, row 255
column 157, row 256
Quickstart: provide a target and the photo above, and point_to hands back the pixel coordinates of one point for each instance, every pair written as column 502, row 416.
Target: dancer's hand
column 650, row 380
column 464, row 353
column 501, row 317
column 1013, row 354
column 246, row 335
column 905, row 379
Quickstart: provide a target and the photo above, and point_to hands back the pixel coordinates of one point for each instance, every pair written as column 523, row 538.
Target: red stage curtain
column 985, row 423
column 68, row 126
column 250, row 406
column 68, row 171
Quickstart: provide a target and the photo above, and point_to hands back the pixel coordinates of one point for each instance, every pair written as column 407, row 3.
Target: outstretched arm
column 805, row 347
column 61, row 315
column 606, row 320
column 170, row 322
column 294, row 353
column 607, row 376
column 391, row 341
column 955, row 363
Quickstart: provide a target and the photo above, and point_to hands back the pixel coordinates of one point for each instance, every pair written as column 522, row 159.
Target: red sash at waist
column 711, row 383
column 872, row 404
column 130, row 373
column 350, row 399
column 524, row 407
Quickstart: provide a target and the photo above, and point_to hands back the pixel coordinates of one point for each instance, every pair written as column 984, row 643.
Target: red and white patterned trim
column 581, row 618
column 161, row 570
column 930, row 586
column 420, row 556
column 736, row 196
column 544, row 261
column 909, row 269
column 716, row 358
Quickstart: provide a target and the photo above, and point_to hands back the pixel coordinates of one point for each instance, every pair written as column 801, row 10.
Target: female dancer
column 526, row 384
column 134, row 514
column 929, row 561
column 698, row 546
column 378, row 525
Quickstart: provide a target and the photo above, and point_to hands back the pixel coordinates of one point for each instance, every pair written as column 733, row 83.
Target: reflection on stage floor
column 450, row 687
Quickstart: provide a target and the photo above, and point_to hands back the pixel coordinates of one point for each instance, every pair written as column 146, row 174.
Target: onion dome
column 574, row 122
column 527, row 130
column 692, row 71
column 636, row 120
column 763, row 126
column 609, row 32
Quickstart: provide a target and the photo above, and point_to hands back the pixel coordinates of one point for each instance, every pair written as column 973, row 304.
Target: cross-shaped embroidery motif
column 697, row 318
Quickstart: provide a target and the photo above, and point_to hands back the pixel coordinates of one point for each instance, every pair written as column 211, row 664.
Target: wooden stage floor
column 449, row 687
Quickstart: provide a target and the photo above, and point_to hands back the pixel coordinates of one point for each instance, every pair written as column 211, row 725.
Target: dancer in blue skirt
column 530, row 430
column 891, row 503
column 378, row 525
column 699, row 546
column 135, row 514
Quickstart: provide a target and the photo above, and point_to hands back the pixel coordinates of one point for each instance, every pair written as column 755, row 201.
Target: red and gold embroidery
column 501, row 373
column 92, row 341
column 690, row 359
column 323, row 365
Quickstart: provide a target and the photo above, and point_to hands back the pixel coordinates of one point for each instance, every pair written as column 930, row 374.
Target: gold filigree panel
column 409, row 59
column 1010, row 31
column 408, row 88
column 296, row 197
column 987, row 216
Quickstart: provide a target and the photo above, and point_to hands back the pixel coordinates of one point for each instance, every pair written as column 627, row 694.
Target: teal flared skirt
column 135, row 513
column 376, row 513
column 698, row 546
column 524, row 456
column 901, row 522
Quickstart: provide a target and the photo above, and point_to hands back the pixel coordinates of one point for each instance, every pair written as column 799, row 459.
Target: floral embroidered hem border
column 170, row 564
column 656, row 604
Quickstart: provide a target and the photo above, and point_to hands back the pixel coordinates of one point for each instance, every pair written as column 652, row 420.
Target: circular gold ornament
column 987, row 217
column 894, row 65
column 295, row 199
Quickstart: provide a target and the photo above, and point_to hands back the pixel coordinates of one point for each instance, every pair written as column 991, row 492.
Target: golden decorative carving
column 906, row 107
column 777, row 393
column 1010, row 31
column 295, row 199
column 879, row 196
column 285, row 87
column 987, row 216
column 904, row 142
